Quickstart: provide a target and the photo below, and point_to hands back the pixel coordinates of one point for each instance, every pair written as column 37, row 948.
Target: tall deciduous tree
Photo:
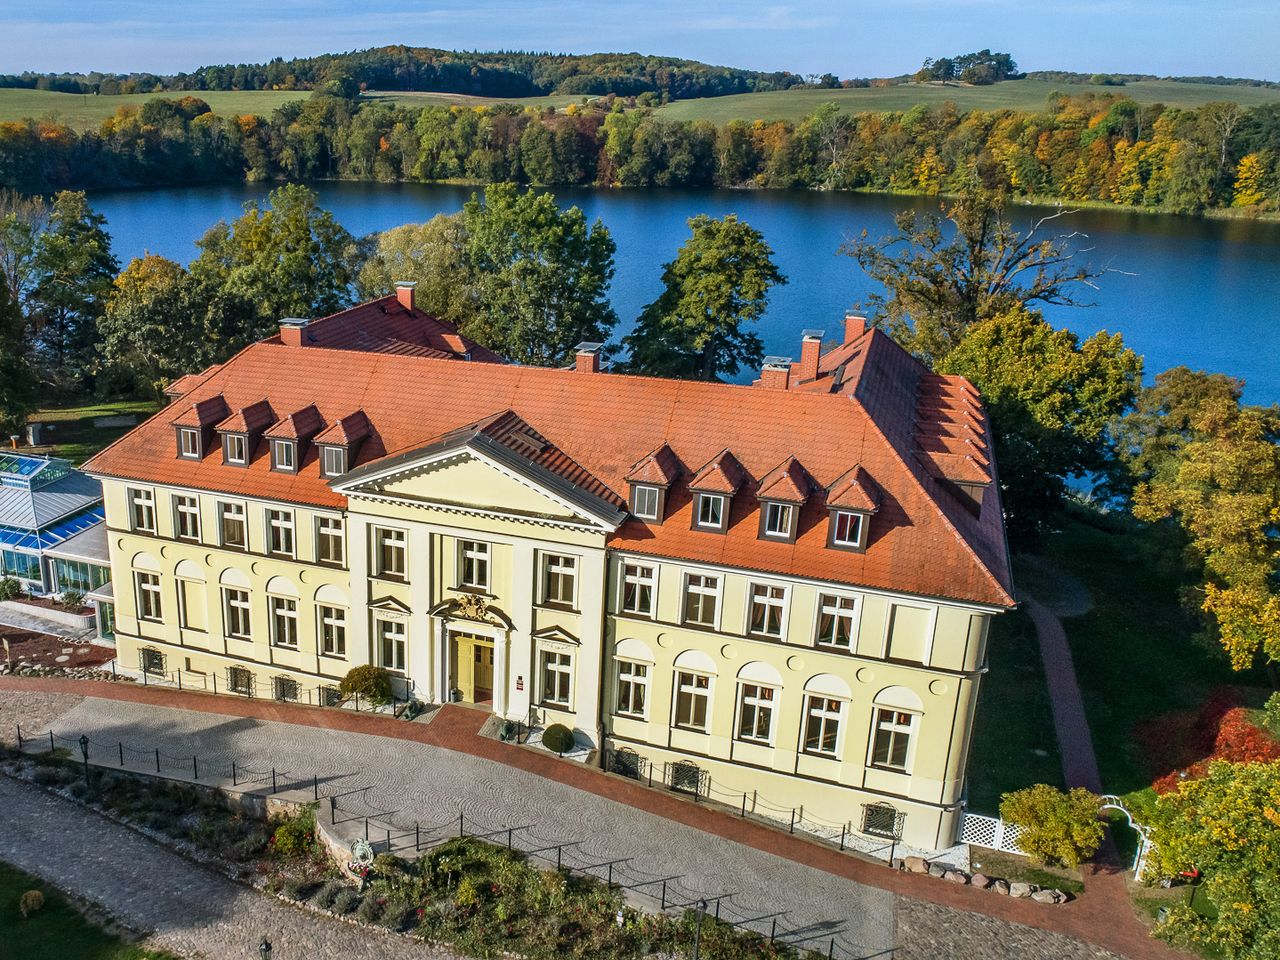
column 22, row 219
column 1050, row 399
column 541, row 276
column 718, row 283
column 17, row 379
column 434, row 256
column 940, row 281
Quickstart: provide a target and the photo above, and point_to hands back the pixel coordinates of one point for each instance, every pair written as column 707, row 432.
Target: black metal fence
column 380, row 826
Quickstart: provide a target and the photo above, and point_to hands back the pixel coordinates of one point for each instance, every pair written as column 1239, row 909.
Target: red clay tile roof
column 346, row 431
column 386, row 326
column 301, row 425
column 787, row 481
column 661, row 468
column 924, row 540
column 248, row 419
column 201, row 413
column 180, row 386
column 721, row 474
column 855, row 490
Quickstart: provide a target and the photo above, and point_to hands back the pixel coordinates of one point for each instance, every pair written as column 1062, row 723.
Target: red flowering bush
column 1227, row 736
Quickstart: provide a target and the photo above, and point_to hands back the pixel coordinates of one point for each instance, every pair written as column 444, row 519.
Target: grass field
column 75, row 437
column 448, row 99
column 59, row 931
column 1012, row 94
column 83, row 111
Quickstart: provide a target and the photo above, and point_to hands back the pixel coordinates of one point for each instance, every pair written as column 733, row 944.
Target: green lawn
column 75, row 437
column 416, row 99
column 1011, row 94
column 85, row 111
column 1014, row 744
column 59, row 931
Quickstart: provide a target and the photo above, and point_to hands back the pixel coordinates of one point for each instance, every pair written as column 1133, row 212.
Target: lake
column 1205, row 293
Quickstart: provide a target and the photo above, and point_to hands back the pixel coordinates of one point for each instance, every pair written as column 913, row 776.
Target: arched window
column 826, row 697
column 759, row 693
column 694, row 673
column 895, row 721
column 236, row 619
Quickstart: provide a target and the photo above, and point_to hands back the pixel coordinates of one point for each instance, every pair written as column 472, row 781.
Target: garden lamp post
column 701, row 907
column 264, row 949
column 84, row 752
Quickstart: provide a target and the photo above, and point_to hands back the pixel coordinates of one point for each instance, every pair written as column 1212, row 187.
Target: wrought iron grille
column 151, row 661
column 240, row 680
column 686, row 777
column 284, row 688
column 882, row 820
column 628, row 763
column 329, row 696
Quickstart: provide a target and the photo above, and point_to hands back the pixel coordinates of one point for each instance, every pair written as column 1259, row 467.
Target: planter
column 82, row 619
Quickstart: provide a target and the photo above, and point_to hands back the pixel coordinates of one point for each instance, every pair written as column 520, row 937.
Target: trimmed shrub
column 396, row 915
column 328, row 893
column 296, row 836
column 370, row 909
column 371, row 682
column 295, row 888
column 1271, row 713
column 345, row 901
column 10, row 589
column 71, row 600
column 30, row 902
column 1057, row 827
column 558, row 738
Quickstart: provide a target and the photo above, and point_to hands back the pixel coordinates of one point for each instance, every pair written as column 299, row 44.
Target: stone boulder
column 937, row 870
column 1001, row 887
column 980, row 881
column 1046, row 896
column 915, row 864
column 1021, row 890
column 956, row 876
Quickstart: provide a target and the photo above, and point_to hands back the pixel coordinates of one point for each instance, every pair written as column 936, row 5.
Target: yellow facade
column 470, row 581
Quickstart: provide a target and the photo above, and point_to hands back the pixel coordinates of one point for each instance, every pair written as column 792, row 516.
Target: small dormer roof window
column 284, row 456
column 190, row 446
column 650, row 479
column 851, row 501
column 782, row 492
column 713, row 488
column 241, row 431
column 333, row 460
column 194, row 427
column 339, row 442
column 235, row 449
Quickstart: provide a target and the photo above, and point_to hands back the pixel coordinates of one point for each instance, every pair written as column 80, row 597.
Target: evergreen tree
column 17, row 379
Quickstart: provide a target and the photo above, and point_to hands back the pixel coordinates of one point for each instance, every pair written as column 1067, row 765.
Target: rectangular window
column 638, row 584
column 767, row 606
column 235, row 613
column 893, row 729
column 633, row 688
column 148, row 589
column 835, row 621
column 237, row 447
column 693, row 696
column 334, row 461
column 240, row 680
column 473, row 565
column 822, row 725
column 330, row 543
column 280, row 532
column 284, row 622
column 24, row 565
column 777, row 519
column 557, row 677
column 282, row 455
column 646, row 503
column 186, row 518
column 78, row 576
column 333, row 631
column 755, row 712
column 701, row 593
column 189, row 443
column 231, row 525
column 847, row 529
column 142, row 510
column 390, row 636
column 710, row 510
column 559, row 579
column 389, row 553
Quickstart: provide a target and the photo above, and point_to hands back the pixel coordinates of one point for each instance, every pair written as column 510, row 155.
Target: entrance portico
column 472, row 641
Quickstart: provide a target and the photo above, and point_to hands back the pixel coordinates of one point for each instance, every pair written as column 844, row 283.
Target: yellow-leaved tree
column 1251, row 175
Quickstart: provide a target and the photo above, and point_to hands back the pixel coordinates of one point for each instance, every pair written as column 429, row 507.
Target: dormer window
column 284, row 455
column 189, row 443
column 235, row 449
column 333, row 461
column 848, row 529
column 710, row 511
column 646, row 502
column 778, row 520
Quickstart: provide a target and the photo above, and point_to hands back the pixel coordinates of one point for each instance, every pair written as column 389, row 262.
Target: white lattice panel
column 990, row 833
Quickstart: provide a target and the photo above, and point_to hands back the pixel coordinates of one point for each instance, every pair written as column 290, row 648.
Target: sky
column 854, row 38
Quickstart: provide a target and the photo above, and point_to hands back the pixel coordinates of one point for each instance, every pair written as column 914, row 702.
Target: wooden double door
column 473, row 667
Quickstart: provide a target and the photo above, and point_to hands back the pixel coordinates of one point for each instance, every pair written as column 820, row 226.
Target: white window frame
column 818, row 705
column 239, row 512
column 859, row 518
column 237, row 448
column 289, row 449
column 331, row 624
column 397, row 540
column 694, row 691
column 553, row 564
column 646, row 496
column 559, row 662
column 189, row 443
column 911, row 729
column 142, row 510
column 229, row 605
column 396, row 632
column 633, row 681
column 480, row 552
column 332, row 457
column 716, row 593
column 282, row 614
column 189, row 506
column 645, row 574
column 281, row 521
column 708, row 498
column 774, row 509
column 334, row 530
column 147, row 592
column 854, row 614
column 783, row 604
column 762, row 698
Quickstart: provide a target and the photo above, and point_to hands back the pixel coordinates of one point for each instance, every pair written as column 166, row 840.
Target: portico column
column 436, row 678
column 446, row 678
column 500, row 672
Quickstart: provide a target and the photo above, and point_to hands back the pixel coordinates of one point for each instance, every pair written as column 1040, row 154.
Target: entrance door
column 483, row 658
column 473, row 667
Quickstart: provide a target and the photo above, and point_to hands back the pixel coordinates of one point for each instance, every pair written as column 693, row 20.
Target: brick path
column 186, row 908
column 926, row 910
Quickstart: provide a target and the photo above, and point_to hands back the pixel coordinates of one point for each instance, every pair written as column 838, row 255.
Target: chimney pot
column 404, row 293
column 291, row 331
column 775, row 374
column 854, row 327
column 810, row 354
column 587, row 357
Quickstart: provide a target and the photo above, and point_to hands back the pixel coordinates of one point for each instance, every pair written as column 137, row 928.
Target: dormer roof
column 256, row 416
column 660, row 468
column 854, row 490
column 300, row 425
column 204, row 413
column 788, row 482
column 721, row 474
column 347, row 431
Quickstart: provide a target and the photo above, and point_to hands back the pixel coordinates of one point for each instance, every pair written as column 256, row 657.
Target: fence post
column 113, row 668
column 609, row 882
column 718, row 899
column 195, row 768
column 792, row 828
column 233, row 773
column 273, row 779
column 461, row 828
column 315, row 781
column 755, row 799
column 144, row 678
column 417, row 837
column 664, row 894
column 366, row 829
column 122, row 753
column 744, row 803
column 179, row 675
column 157, row 759
column 651, row 774
column 509, row 838
column 357, row 701
column 843, row 829
column 831, row 949
column 558, row 849
column 388, row 839
column 215, row 683
column 773, row 930
column 19, row 726
column 52, row 748
column 333, row 810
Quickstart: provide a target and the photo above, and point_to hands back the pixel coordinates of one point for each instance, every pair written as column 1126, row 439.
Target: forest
column 1105, row 149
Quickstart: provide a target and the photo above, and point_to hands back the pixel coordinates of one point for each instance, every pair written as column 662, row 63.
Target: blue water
column 1182, row 290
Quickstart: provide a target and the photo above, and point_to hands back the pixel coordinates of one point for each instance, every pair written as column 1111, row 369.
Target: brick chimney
column 587, row 357
column 775, row 374
column 291, row 331
column 854, row 327
column 810, row 352
column 404, row 293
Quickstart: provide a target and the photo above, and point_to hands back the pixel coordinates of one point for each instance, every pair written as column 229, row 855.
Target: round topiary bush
column 558, row 738
column 369, row 682
column 30, row 902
